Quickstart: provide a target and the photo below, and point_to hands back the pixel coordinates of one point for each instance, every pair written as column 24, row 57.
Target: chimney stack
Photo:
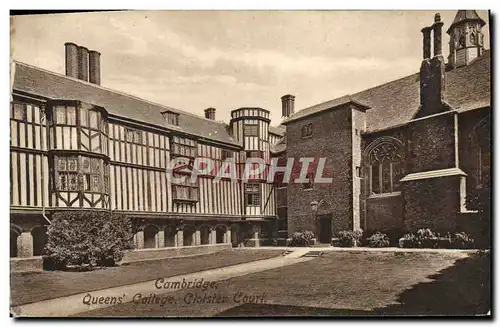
column 287, row 105
column 437, row 27
column 426, row 33
column 83, row 63
column 432, row 77
column 94, row 67
column 71, row 51
column 210, row 113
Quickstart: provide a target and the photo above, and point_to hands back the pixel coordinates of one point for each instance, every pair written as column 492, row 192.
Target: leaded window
column 184, row 147
column 81, row 173
column 252, row 194
column 185, row 190
column 385, row 161
column 251, row 130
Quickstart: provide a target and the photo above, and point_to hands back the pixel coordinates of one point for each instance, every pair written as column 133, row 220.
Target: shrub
column 88, row 238
column 425, row 238
column 350, row 238
column 378, row 240
column 301, row 239
column 462, row 241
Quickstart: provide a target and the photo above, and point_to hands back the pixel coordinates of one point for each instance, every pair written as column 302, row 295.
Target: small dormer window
column 171, row 117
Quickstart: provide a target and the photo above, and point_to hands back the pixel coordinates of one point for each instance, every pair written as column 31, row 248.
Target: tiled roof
column 395, row 103
column 278, row 130
column 51, row 85
column 278, row 147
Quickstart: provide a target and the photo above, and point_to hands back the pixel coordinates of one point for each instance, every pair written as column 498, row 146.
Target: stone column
column 25, row 245
column 213, row 236
column 180, row 238
column 197, row 237
column 139, row 237
column 228, row 236
column 160, row 239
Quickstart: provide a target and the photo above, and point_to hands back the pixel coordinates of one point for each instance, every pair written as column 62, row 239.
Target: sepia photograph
column 250, row 163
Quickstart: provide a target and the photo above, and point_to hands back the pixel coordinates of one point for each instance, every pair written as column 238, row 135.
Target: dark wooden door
column 325, row 229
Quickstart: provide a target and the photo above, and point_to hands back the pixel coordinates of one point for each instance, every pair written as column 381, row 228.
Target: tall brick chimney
column 287, row 105
column 94, row 67
column 426, row 33
column 83, row 63
column 71, row 51
column 432, row 72
column 210, row 113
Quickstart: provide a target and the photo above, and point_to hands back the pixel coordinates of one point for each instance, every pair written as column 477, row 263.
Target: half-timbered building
column 76, row 145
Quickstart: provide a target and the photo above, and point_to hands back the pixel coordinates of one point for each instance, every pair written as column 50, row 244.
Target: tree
column 88, row 238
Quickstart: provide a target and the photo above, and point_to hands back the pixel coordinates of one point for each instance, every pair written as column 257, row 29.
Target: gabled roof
column 395, row 103
column 40, row 82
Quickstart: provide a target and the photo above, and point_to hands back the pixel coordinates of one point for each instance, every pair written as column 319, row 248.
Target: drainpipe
column 43, row 116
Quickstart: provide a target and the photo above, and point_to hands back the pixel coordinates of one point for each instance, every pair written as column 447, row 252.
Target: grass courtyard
column 39, row 286
column 341, row 283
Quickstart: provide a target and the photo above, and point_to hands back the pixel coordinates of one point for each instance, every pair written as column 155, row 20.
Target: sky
column 192, row 60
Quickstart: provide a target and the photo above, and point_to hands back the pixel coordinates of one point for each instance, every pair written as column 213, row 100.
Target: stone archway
column 39, row 234
column 150, row 237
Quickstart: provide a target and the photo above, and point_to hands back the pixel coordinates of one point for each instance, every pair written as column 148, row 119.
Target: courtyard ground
column 34, row 287
column 341, row 283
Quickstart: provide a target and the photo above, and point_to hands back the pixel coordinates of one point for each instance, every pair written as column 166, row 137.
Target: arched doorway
column 204, row 235
column 187, row 233
column 220, row 233
column 14, row 234
column 170, row 234
column 150, row 233
column 39, row 234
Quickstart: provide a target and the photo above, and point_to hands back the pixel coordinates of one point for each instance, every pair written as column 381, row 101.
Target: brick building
column 403, row 154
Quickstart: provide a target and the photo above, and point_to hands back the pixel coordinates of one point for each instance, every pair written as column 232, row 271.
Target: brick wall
column 332, row 138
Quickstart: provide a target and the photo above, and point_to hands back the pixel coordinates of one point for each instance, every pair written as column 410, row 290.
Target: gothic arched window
column 480, row 146
column 384, row 160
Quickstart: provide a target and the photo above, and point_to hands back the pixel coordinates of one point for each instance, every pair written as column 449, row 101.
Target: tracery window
column 385, row 166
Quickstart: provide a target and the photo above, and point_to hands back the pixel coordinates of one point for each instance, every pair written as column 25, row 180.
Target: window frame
column 254, row 194
column 85, row 178
column 172, row 118
column 193, row 188
column 306, row 131
column 248, row 130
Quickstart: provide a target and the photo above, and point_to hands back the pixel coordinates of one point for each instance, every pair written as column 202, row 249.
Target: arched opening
column 220, row 232
column 204, row 235
column 14, row 234
column 39, row 235
column 170, row 234
column 188, row 238
column 150, row 233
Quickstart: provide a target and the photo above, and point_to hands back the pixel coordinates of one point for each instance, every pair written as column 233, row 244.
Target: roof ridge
column 117, row 92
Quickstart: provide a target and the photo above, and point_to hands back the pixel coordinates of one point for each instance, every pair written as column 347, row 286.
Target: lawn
column 344, row 283
column 34, row 287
